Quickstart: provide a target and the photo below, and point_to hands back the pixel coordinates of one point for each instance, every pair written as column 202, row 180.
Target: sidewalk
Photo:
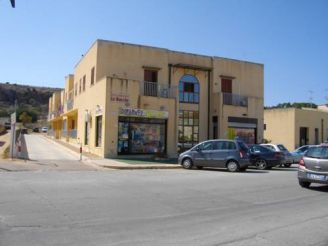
column 121, row 164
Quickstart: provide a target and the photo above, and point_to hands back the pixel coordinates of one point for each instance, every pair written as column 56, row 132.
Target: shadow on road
column 321, row 188
column 255, row 171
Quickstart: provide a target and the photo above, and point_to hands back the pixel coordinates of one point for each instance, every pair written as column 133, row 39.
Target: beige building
column 128, row 99
column 296, row 127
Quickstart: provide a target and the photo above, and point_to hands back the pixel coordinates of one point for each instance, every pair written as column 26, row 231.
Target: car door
column 253, row 153
column 220, row 153
column 202, row 154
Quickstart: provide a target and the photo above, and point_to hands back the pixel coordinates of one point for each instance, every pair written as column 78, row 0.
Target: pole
column 81, row 151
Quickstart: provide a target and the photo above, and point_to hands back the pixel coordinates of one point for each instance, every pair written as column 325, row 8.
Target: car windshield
column 281, row 147
column 317, row 152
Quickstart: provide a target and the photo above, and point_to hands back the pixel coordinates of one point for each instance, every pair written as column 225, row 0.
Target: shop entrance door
column 303, row 136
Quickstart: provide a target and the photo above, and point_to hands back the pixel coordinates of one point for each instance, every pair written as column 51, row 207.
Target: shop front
column 141, row 131
column 244, row 129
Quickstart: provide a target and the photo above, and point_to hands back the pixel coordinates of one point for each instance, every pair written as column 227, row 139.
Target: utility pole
column 311, row 97
column 12, row 3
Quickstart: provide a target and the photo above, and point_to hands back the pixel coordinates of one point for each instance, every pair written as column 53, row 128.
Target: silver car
column 313, row 167
column 299, row 153
column 230, row 154
column 288, row 158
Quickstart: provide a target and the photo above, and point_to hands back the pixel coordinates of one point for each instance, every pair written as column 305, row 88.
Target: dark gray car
column 313, row 167
column 230, row 154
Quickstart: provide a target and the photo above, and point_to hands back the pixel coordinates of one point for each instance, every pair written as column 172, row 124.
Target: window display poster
column 245, row 134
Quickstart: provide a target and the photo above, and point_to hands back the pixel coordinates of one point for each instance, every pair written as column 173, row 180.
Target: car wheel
column 287, row 164
column 199, row 167
column 261, row 164
column 187, row 163
column 232, row 166
column 304, row 184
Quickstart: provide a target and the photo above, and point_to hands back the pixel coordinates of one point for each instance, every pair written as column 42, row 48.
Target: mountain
column 31, row 99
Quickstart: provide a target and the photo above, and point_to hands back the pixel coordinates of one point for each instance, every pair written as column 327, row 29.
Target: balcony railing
column 155, row 89
column 235, row 100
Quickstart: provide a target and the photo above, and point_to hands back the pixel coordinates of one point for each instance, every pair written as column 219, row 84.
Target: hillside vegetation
column 30, row 99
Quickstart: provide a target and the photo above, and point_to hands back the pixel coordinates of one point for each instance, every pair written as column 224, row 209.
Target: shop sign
column 119, row 98
column 143, row 113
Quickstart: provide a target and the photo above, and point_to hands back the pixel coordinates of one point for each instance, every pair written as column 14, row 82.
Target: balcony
column 235, row 100
column 155, row 89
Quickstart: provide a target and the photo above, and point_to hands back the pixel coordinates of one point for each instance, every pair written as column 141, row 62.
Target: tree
column 25, row 118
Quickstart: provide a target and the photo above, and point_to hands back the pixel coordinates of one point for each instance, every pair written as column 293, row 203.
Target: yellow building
column 296, row 127
column 133, row 99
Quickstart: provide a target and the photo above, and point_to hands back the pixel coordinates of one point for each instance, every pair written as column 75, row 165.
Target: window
column 225, row 145
column 188, row 129
column 80, row 86
column 98, row 130
column 315, row 152
column 86, row 133
column 226, row 85
column 141, row 135
column 75, row 89
column 207, row 146
column 150, row 75
column 92, row 76
column 84, row 81
column 189, row 89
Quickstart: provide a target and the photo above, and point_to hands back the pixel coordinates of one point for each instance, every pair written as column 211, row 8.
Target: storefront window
column 188, row 129
column 141, row 136
column 247, row 135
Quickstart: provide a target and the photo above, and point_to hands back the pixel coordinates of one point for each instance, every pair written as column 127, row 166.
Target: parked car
column 230, row 154
column 313, row 167
column 299, row 153
column 44, row 129
column 36, row 129
column 287, row 160
column 24, row 131
column 264, row 158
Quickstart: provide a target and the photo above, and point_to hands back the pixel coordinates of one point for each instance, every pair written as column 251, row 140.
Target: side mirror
column 198, row 149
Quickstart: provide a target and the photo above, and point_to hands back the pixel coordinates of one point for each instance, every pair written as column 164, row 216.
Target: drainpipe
column 208, row 103
column 170, row 68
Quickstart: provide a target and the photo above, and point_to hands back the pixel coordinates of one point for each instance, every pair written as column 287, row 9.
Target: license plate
column 316, row 176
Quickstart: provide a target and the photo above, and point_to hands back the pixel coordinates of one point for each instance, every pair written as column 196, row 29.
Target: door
column 202, row 154
column 221, row 151
column 316, row 136
column 303, row 136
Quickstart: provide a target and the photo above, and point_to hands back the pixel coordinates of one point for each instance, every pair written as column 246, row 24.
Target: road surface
column 161, row 207
column 50, row 155
column 41, row 148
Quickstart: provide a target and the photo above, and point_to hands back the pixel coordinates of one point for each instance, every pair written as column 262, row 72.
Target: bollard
column 81, row 152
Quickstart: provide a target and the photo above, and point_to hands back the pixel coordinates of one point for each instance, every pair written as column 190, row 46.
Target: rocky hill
column 31, row 99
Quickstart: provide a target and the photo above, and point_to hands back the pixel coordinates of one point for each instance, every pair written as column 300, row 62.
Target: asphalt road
column 47, row 155
column 41, row 148
column 161, row 207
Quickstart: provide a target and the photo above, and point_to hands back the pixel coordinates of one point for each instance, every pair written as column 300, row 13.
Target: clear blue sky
column 42, row 40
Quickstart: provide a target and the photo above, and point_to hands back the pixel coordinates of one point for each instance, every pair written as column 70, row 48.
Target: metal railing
column 155, row 89
column 235, row 100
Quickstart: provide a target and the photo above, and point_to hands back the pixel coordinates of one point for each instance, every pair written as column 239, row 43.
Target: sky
column 42, row 41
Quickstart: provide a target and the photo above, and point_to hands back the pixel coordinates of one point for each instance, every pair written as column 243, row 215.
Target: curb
column 139, row 167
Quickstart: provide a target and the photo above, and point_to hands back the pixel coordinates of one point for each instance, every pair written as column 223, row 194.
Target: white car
column 44, row 129
column 288, row 158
